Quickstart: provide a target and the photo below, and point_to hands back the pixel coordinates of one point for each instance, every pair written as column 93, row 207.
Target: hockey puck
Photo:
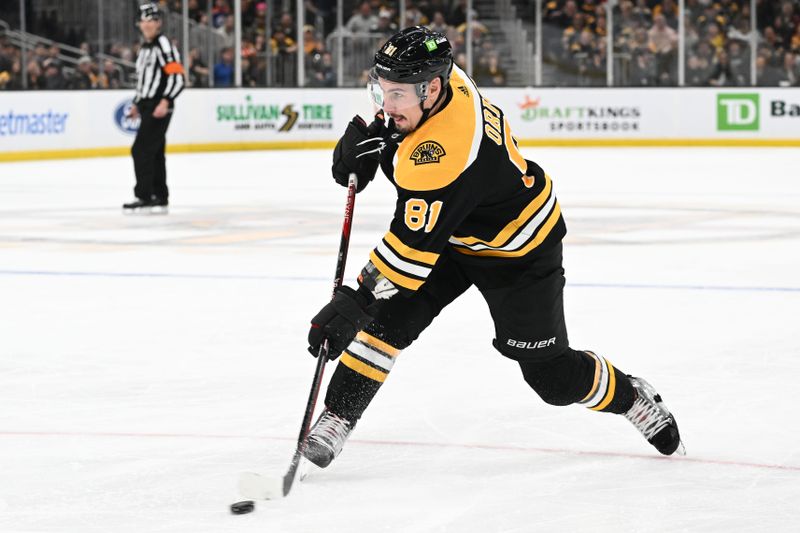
column 247, row 506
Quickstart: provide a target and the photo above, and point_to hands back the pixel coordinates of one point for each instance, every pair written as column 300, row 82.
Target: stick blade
column 256, row 486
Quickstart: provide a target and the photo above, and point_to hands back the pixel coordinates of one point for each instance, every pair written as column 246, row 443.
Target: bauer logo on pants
column 531, row 345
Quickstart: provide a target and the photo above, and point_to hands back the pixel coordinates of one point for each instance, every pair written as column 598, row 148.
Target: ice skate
column 653, row 420
column 326, row 438
column 154, row 206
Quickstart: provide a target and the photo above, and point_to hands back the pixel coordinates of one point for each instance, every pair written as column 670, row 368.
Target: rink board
column 58, row 124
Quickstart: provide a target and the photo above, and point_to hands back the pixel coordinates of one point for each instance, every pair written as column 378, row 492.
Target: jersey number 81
column 419, row 214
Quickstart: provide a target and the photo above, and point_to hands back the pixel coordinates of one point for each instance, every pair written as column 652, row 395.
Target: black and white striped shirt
column 159, row 71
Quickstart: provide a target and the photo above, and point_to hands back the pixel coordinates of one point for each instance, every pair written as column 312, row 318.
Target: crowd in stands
column 269, row 58
column 575, row 39
column 45, row 69
column 645, row 42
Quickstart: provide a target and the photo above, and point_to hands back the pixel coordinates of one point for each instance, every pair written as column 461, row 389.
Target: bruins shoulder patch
column 427, row 152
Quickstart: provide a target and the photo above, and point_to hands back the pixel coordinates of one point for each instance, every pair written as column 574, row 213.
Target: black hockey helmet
column 415, row 55
column 149, row 11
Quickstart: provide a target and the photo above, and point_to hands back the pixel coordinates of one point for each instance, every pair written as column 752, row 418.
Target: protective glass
column 395, row 97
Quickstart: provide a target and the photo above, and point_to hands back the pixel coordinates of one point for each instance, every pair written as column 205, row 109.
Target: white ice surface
column 146, row 361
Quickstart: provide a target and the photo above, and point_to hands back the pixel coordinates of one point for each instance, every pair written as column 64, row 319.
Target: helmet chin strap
column 426, row 112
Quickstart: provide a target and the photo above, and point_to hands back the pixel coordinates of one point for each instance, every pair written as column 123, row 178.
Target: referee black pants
column 149, row 162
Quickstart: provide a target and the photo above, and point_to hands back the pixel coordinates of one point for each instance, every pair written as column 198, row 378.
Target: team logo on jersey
column 427, row 152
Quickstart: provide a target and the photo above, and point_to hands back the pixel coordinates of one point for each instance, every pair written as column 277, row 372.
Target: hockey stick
column 256, row 486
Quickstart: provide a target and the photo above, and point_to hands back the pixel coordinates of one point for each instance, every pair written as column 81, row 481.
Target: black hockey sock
column 362, row 369
column 579, row 377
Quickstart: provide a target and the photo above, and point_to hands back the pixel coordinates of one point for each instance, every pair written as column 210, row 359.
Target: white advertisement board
column 669, row 115
column 37, row 124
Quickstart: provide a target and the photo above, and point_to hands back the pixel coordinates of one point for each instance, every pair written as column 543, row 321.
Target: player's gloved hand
column 359, row 150
column 340, row 320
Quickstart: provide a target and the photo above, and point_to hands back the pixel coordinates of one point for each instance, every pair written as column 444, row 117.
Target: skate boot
column 653, row 420
column 326, row 438
column 153, row 206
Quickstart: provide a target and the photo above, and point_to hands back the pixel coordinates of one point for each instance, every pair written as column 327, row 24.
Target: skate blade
column 681, row 449
column 154, row 210
column 256, row 486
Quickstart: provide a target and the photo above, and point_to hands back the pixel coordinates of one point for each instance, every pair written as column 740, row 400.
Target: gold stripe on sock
column 365, row 370
column 612, row 385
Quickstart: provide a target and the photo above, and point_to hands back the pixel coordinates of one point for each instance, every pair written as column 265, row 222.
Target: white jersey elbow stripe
column 401, row 266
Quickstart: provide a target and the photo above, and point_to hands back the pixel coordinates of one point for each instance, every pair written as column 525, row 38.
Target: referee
column 160, row 81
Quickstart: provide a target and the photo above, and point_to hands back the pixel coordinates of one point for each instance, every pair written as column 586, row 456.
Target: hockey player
column 470, row 211
column 160, row 81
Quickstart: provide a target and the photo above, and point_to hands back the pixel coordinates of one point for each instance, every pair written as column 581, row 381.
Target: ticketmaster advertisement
column 39, row 124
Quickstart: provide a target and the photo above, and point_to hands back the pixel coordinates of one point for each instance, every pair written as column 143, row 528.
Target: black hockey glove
column 340, row 320
column 359, row 150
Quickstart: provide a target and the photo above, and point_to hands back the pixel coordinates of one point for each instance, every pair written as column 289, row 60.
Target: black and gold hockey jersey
column 462, row 183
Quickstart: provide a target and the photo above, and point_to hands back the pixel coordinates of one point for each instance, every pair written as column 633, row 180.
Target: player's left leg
column 528, row 311
column 365, row 364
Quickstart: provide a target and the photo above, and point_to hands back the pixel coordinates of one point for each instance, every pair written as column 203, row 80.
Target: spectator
column 228, row 31
column 722, row 74
column 795, row 42
column 642, row 12
column 439, row 24
column 669, row 9
column 740, row 64
column 53, row 76
column 110, row 78
column 786, row 23
column 322, row 74
column 311, row 43
column 83, row 78
column 696, row 72
column 489, row 72
column 198, row 70
column 715, row 36
column 220, row 12
column 414, row 17
column 458, row 13
column 283, row 49
column 773, row 45
column 643, row 69
column 223, row 71
column 324, row 11
column 583, row 51
column 663, row 42
column 789, row 73
column 286, row 27
column 741, row 31
column 766, row 74
column 362, row 21
column 385, row 28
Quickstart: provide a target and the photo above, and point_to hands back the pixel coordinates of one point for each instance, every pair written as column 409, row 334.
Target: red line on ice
column 496, row 447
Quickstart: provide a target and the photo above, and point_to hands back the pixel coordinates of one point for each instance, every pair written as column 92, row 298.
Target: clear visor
column 395, row 97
